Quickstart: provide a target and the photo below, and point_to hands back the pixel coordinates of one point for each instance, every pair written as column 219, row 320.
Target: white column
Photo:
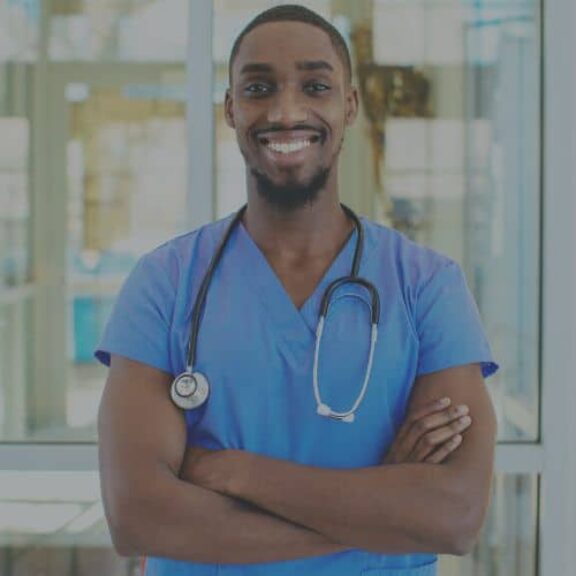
column 558, row 505
column 200, row 114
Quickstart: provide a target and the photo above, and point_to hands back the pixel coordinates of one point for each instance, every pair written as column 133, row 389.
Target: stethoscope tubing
column 198, row 309
column 204, row 286
column 200, row 302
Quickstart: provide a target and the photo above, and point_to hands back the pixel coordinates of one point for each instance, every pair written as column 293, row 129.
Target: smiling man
column 290, row 388
column 290, row 147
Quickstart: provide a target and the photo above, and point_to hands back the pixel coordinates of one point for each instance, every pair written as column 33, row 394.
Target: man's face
column 289, row 102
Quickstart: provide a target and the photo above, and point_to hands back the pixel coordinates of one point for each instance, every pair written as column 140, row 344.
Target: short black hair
column 295, row 13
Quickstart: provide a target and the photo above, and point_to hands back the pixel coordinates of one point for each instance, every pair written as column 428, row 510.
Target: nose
column 287, row 108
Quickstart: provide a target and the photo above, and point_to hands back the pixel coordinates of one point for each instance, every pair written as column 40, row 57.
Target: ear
column 352, row 104
column 228, row 112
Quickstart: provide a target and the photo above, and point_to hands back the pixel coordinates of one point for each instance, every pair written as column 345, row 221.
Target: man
column 263, row 478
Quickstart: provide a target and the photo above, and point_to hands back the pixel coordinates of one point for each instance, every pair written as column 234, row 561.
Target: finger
column 423, row 426
column 420, row 413
column 442, row 418
column 431, row 441
column 194, row 453
column 438, row 456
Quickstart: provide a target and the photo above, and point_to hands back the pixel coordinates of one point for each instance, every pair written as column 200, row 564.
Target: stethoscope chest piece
column 189, row 390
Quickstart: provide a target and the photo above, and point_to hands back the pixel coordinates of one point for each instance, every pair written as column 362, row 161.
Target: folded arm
column 151, row 511
column 389, row 509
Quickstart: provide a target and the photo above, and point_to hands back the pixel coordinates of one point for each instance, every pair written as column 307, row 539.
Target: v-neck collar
column 260, row 274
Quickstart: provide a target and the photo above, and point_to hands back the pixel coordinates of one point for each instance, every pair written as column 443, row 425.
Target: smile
column 288, row 146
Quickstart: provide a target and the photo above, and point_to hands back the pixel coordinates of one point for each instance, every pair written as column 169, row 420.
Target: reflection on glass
column 122, row 30
column 19, row 30
column 14, row 366
column 19, row 26
column 127, row 194
column 508, row 543
column 462, row 176
column 478, row 166
column 106, row 146
column 14, row 200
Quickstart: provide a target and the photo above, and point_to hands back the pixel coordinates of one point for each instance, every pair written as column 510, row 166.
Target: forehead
column 283, row 44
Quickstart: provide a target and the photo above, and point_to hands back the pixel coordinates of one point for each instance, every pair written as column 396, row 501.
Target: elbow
column 123, row 547
column 461, row 544
column 123, row 543
column 462, row 534
column 464, row 506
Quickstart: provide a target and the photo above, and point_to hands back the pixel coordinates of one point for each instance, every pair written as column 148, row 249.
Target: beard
column 292, row 195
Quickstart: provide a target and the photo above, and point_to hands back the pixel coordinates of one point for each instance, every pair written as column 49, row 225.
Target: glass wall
column 461, row 164
column 18, row 49
column 93, row 173
column 126, row 181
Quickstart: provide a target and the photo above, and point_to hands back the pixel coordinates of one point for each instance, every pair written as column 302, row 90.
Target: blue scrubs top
column 256, row 349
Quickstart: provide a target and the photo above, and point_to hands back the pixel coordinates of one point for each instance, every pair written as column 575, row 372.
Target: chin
column 291, row 194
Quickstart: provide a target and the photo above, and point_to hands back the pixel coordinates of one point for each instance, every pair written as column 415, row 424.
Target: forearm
column 178, row 520
column 389, row 509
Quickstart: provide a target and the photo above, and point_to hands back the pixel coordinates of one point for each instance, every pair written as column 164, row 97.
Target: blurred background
column 110, row 112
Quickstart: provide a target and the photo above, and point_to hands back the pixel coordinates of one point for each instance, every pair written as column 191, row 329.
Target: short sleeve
column 448, row 324
column 139, row 326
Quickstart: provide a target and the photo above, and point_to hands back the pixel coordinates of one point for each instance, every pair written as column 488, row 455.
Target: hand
column 429, row 434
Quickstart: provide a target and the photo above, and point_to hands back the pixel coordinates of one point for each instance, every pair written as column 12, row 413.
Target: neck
column 314, row 230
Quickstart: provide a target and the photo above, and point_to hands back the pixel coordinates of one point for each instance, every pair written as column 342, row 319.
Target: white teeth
column 288, row 147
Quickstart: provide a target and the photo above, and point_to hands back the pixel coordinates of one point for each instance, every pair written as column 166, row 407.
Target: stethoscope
column 190, row 389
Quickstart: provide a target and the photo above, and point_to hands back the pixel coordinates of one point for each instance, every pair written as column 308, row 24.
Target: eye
column 258, row 89
column 316, row 87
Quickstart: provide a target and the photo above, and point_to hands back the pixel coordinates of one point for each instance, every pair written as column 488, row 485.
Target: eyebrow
column 315, row 65
column 308, row 65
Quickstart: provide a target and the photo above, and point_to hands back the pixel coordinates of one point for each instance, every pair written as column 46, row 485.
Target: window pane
column 18, row 36
column 93, row 173
column 461, row 167
column 19, row 30
column 126, row 163
column 14, row 199
column 14, row 362
column 122, row 30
